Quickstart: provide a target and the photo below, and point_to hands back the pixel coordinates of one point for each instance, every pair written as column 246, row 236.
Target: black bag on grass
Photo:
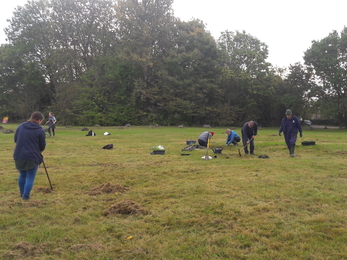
column 108, row 146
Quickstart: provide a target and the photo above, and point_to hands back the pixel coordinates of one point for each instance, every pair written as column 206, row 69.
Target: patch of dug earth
column 84, row 247
column 125, row 207
column 107, row 188
column 24, row 250
column 44, row 189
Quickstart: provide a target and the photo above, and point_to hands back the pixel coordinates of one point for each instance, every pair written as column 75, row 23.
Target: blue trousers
column 290, row 139
column 26, row 181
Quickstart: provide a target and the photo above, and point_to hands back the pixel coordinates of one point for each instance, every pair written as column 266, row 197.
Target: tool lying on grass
column 245, row 146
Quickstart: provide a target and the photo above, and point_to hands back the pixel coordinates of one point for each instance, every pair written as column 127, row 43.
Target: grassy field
column 127, row 204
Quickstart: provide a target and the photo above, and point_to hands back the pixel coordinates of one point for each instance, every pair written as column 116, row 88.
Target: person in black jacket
column 30, row 142
column 249, row 131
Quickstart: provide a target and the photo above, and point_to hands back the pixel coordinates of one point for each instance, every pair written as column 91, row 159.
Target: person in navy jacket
column 290, row 126
column 232, row 137
column 249, row 131
column 30, row 142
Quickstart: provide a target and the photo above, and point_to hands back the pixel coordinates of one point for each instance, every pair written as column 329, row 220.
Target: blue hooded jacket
column 231, row 137
column 290, row 126
column 30, row 141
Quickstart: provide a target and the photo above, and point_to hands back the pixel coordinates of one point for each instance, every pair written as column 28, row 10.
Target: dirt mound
column 125, row 207
column 25, row 250
column 107, row 188
column 44, row 189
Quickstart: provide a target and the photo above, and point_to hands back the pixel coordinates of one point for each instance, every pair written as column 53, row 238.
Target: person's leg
column 53, row 130
column 236, row 140
column 287, row 139
column 202, row 143
column 21, row 181
column 244, row 142
column 292, row 142
column 29, row 183
column 251, row 144
column 49, row 131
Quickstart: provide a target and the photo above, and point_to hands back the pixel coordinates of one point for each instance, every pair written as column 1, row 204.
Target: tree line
column 114, row 62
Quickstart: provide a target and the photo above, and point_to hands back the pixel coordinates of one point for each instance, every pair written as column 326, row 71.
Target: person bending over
column 249, row 131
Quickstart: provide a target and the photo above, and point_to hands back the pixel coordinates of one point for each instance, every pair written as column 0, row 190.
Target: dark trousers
column 236, row 140
column 53, row 130
column 245, row 138
column 202, row 142
column 290, row 139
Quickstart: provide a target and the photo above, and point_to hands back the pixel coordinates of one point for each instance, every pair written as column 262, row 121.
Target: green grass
column 230, row 207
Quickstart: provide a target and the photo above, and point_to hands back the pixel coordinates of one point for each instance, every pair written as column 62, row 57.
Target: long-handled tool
column 244, row 146
column 49, row 180
column 208, row 146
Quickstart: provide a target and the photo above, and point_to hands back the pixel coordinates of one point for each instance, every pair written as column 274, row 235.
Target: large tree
column 248, row 84
column 328, row 59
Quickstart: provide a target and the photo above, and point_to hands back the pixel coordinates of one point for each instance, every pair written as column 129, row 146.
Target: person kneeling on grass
column 203, row 138
column 30, row 142
column 232, row 137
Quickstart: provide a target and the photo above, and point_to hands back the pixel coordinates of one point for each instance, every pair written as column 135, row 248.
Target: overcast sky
column 286, row 27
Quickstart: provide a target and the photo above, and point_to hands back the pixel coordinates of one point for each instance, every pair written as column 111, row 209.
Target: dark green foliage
column 113, row 62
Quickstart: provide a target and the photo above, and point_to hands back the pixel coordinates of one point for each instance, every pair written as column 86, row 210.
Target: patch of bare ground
column 23, row 250
column 125, row 207
column 44, row 189
column 107, row 188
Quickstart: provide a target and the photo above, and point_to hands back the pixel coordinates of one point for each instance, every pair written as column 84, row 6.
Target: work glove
column 301, row 135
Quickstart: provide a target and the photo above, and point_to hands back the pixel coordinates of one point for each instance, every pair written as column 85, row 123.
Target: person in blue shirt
column 30, row 142
column 232, row 137
column 290, row 126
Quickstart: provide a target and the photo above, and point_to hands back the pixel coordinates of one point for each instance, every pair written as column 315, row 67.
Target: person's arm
column 281, row 128
column 255, row 129
column 42, row 141
column 298, row 125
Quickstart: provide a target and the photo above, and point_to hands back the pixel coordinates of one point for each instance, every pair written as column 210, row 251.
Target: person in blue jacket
column 232, row 137
column 290, row 126
column 30, row 142
column 249, row 131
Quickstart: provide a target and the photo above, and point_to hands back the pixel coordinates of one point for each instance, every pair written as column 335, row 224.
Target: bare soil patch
column 24, row 250
column 125, row 207
column 107, row 188
column 44, row 189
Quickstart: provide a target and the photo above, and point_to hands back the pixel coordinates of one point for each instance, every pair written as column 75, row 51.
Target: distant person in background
column 232, row 137
column 290, row 126
column 51, row 123
column 30, row 142
column 203, row 138
column 249, row 131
